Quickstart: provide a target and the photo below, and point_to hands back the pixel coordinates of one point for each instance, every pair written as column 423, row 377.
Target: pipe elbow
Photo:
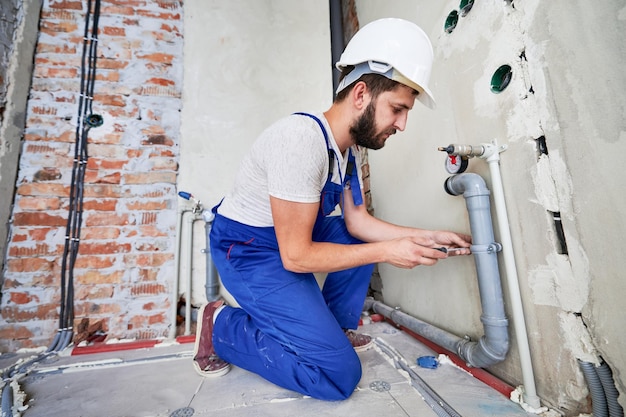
column 468, row 184
column 484, row 353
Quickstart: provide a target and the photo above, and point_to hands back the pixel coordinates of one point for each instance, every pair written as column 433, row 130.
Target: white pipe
column 492, row 155
column 189, row 268
column 174, row 300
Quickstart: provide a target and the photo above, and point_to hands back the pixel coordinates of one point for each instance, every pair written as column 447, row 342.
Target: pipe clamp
column 490, row 248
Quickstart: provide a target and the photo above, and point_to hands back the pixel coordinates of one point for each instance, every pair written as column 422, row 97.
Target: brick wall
column 125, row 265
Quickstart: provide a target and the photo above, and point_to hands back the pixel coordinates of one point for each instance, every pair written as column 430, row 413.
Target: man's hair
column 376, row 84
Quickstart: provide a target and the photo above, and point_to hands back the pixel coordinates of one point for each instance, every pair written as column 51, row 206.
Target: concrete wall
column 247, row 64
column 566, row 88
column 18, row 34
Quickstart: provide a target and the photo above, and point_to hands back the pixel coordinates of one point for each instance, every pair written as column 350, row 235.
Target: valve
column 456, row 162
column 188, row 196
column 467, row 151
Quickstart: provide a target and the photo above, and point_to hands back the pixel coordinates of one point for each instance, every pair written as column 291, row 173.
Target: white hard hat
column 395, row 48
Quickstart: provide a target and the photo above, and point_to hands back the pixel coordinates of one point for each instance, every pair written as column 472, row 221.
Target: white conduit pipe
column 492, row 155
column 174, row 300
column 188, row 232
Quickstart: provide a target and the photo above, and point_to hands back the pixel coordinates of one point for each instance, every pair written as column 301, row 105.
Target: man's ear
column 360, row 95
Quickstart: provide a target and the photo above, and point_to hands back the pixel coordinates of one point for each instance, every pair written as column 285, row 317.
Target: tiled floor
column 160, row 381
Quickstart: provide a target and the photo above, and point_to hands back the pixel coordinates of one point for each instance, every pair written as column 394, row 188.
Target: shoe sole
column 364, row 347
column 211, row 374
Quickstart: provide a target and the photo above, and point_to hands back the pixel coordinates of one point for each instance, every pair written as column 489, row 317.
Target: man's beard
column 363, row 131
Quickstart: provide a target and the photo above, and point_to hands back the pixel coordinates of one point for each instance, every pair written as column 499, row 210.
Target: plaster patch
column 621, row 15
column 553, row 184
column 545, row 188
column 575, row 288
column 563, row 182
column 555, row 284
column 576, row 338
column 572, row 292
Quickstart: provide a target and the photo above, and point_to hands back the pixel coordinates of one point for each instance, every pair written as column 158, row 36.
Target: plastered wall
column 565, row 89
column 247, row 64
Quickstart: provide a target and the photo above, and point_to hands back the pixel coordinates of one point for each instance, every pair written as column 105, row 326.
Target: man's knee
column 345, row 376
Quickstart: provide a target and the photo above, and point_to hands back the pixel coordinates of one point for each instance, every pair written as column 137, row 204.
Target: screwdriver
column 448, row 250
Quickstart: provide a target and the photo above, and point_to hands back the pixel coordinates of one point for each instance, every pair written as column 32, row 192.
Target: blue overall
column 287, row 330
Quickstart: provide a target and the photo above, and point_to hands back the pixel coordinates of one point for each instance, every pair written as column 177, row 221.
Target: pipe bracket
column 490, row 248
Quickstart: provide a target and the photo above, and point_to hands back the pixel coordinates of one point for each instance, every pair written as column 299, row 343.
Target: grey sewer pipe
column 212, row 283
column 494, row 344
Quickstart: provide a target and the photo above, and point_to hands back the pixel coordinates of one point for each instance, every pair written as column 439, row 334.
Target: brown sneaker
column 359, row 341
column 205, row 361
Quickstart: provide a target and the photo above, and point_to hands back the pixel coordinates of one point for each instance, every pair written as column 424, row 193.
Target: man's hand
column 408, row 252
column 450, row 240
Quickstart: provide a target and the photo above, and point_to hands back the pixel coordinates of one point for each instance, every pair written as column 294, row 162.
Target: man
column 274, row 229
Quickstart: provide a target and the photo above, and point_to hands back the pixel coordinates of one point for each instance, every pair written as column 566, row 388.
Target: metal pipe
column 212, row 284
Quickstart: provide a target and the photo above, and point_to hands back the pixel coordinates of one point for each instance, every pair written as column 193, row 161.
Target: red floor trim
column 191, row 338
column 114, row 347
column 478, row 373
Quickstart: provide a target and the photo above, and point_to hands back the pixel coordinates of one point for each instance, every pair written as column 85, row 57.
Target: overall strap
column 353, row 177
column 351, row 173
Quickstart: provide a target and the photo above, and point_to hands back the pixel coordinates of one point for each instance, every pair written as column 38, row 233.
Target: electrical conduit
column 602, row 388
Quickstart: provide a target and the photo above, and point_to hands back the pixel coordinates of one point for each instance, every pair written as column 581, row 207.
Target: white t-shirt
column 289, row 160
